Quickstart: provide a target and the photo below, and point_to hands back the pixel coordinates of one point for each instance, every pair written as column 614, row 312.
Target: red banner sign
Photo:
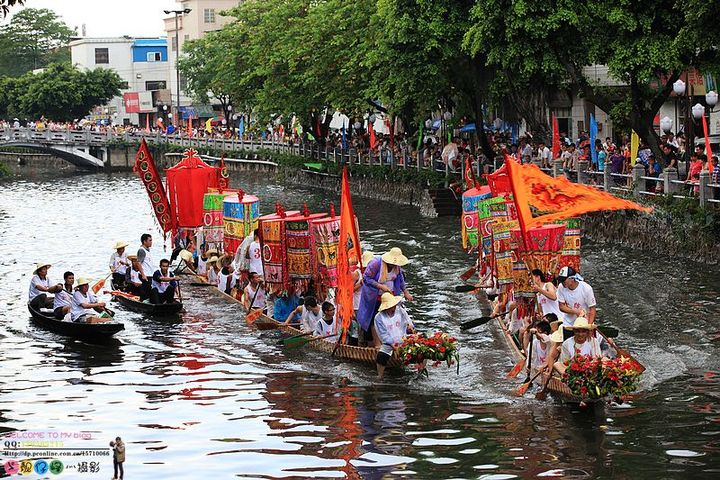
column 145, row 168
column 132, row 102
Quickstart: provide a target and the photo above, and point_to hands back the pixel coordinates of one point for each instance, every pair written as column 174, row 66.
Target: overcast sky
column 136, row 18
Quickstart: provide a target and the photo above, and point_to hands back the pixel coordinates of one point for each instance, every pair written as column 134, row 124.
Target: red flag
column 555, row 139
column 145, row 168
column 223, row 175
column 498, row 182
column 470, row 181
column 348, row 254
column 371, row 131
column 708, row 150
column 562, row 198
column 189, row 127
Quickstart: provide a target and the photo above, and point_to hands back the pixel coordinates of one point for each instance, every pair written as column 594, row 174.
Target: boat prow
column 150, row 309
column 83, row 331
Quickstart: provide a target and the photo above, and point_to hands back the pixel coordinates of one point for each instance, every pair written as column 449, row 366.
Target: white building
column 203, row 17
column 142, row 63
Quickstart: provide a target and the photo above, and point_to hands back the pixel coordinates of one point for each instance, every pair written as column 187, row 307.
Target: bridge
column 88, row 150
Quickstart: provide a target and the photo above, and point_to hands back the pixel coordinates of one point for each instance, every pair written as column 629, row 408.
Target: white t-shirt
column 260, row 299
column 255, row 253
column 549, row 306
column 322, row 329
column 392, row 329
column 63, row 298
column 202, row 266
column 309, row 319
column 135, row 276
column 36, row 280
column 148, row 267
column 119, row 262
column 545, row 154
column 580, row 298
column 76, row 309
column 588, row 347
column 357, row 293
column 212, row 276
column 539, row 355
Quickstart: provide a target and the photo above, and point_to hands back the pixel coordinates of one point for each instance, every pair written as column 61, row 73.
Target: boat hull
column 83, row 331
column 150, row 309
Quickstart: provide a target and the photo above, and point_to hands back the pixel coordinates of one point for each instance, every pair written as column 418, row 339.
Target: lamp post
column 666, row 124
column 680, row 89
column 177, row 51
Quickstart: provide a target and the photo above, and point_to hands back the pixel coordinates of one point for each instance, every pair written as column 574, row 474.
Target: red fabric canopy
column 187, row 183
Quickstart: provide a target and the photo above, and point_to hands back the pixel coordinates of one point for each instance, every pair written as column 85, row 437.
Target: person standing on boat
column 392, row 323
column 310, row 314
column 546, row 294
column 40, row 286
column 384, row 274
column 325, row 327
column 255, row 293
column 63, row 297
column 85, row 305
column 255, row 254
column 119, row 264
column 581, row 343
column 163, row 284
column 147, row 266
column 575, row 296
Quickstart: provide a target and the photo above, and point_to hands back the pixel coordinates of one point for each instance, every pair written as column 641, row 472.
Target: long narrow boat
column 556, row 386
column 152, row 309
column 348, row 352
column 83, row 331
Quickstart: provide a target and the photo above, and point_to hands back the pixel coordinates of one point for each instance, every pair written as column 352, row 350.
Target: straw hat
column 581, row 323
column 388, row 300
column 40, row 265
column 81, row 281
column 211, row 253
column 366, row 257
column 186, row 255
column 120, row 244
column 395, row 257
column 213, row 259
column 557, row 335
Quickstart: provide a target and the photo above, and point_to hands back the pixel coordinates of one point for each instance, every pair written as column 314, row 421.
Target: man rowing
column 134, row 281
column 255, row 298
column 40, row 286
column 85, row 305
column 392, row 323
column 63, row 297
column 581, row 343
column 575, row 297
column 163, row 284
column 325, row 327
column 119, row 264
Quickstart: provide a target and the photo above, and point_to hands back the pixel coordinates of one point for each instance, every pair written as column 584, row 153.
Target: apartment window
column 154, row 57
column 186, row 37
column 102, row 56
column 183, row 82
column 173, row 44
column 155, row 85
column 209, row 15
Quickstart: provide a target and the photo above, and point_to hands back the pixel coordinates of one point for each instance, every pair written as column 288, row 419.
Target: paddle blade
column 298, row 341
column 467, row 275
column 474, row 323
column 465, row 288
column 610, row 332
column 517, row 368
column 522, row 389
column 252, row 316
column 98, row 286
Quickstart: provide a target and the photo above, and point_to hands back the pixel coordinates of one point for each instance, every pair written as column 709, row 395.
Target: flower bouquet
column 595, row 378
column 418, row 349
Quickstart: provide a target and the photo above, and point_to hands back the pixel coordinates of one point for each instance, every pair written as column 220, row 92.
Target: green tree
column 33, row 38
column 6, row 4
column 61, row 92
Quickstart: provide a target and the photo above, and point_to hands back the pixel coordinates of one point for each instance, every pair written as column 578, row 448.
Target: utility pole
column 177, row 58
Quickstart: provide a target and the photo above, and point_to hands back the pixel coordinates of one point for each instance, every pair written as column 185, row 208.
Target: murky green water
column 203, row 396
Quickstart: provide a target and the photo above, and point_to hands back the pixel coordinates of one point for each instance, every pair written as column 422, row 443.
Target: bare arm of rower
column 548, row 290
column 565, row 309
column 298, row 310
column 592, row 311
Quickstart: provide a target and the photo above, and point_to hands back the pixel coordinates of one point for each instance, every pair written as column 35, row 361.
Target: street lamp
column 177, row 51
column 711, row 98
column 698, row 111
column 666, row 124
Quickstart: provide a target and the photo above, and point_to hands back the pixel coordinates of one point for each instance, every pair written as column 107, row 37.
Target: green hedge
column 688, row 219
column 4, row 170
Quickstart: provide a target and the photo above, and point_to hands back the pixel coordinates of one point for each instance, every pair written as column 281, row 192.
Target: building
column 142, row 63
column 203, row 17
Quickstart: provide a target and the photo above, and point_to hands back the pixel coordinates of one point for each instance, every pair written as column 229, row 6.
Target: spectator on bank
column 653, row 169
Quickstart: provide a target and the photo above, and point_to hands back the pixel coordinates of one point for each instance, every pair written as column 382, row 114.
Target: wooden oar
column 118, row 293
column 517, row 368
column 466, row 288
column 100, row 284
column 529, row 361
column 523, row 388
column 178, row 290
column 608, row 331
column 253, row 315
column 466, row 276
column 479, row 321
column 542, row 394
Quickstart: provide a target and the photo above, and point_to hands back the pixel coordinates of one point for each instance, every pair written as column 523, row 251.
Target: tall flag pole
column 708, row 150
column 593, row 137
column 555, row 139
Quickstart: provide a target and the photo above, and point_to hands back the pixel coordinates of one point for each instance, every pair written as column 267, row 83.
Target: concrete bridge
column 89, row 150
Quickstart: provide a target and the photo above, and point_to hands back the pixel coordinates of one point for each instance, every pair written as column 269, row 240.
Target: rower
column 85, row 305
column 163, row 284
column 188, row 262
column 119, row 264
column 325, row 327
column 575, row 297
column 134, row 281
column 392, row 323
column 309, row 312
column 63, row 297
column 147, row 266
column 40, row 286
column 255, row 254
column 255, row 293
column 226, row 281
column 286, row 302
column 581, row 343
column 213, row 269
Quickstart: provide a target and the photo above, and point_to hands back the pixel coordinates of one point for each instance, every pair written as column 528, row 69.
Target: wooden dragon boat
column 556, row 386
column 365, row 355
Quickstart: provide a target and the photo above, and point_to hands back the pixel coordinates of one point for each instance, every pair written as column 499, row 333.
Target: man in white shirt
column 575, row 296
column 544, row 154
column 163, row 284
column 255, row 254
column 85, row 305
column 392, row 323
column 135, row 284
column 147, row 266
column 119, row 263
column 325, row 327
column 63, row 297
column 40, row 286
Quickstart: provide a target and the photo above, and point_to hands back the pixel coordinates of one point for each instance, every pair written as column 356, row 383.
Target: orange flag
column 348, row 253
column 371, row 131
column 557, row 198
column 555, row 139
column 189, row 126
column 708, row 151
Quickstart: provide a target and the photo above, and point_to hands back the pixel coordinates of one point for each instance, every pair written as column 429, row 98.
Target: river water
column 203, row 396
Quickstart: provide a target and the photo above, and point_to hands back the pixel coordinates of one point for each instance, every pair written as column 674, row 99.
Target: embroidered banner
column 145, row 168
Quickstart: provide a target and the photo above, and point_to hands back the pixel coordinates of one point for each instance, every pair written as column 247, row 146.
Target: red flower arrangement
column 418, row 349
column 595, row 378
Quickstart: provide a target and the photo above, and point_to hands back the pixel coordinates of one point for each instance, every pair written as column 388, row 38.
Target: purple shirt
column 370, row 293
column 616, row 163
